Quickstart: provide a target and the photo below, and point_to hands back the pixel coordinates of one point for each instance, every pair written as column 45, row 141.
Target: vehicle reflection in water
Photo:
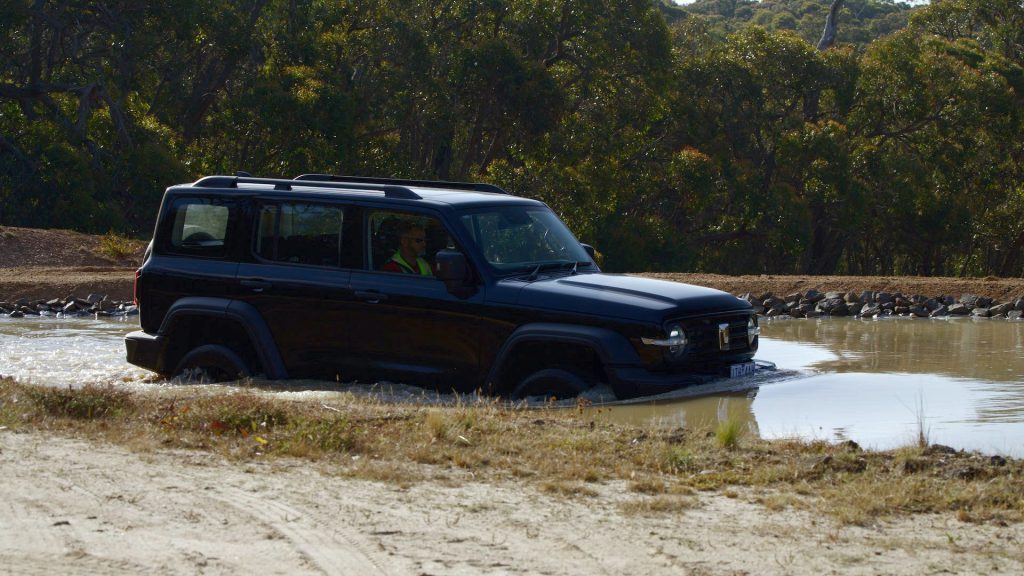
column 878, row 383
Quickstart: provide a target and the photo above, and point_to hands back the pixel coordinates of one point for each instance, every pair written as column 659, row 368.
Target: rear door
column 298, row 278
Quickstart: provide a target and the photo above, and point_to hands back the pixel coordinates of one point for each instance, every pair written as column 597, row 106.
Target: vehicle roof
column 364, row 193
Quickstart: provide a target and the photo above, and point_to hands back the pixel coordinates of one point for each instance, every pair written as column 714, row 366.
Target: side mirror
column 453, row 269
column 589, row 250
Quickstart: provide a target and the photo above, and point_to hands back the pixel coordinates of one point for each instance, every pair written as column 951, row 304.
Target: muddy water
column 879, row 383
column 57, row 352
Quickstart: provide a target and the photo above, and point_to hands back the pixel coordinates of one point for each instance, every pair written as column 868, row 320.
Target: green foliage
column 712, row 136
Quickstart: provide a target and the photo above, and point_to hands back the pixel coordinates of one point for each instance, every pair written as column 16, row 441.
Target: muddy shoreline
column 116, row 282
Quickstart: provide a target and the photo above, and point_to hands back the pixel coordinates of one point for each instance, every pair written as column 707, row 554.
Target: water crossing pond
column 878, row 383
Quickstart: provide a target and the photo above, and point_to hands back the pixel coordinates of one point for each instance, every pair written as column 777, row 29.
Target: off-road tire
column 219, row 363
column 549, row 383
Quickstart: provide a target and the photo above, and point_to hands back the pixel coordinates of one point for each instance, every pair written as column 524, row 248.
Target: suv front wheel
column 550, row 383
column 219, row 363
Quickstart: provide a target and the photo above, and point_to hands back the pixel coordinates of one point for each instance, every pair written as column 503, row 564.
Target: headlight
column 675, row 341
column 753, row 331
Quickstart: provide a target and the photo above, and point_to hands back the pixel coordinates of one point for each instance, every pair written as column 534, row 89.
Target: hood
column 629, row 297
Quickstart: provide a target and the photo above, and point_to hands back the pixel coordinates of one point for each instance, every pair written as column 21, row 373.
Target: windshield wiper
column 553, row 266
column 577, row 264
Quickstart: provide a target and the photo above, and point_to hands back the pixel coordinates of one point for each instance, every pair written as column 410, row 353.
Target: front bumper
column 634, row 381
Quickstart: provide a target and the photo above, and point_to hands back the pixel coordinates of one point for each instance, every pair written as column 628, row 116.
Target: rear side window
column 300, row 233
column 199, row 226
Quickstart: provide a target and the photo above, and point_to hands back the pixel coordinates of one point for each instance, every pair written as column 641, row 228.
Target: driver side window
column 405, row 242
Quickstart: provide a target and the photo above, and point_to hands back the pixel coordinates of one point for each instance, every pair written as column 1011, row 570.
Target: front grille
column 704, row 336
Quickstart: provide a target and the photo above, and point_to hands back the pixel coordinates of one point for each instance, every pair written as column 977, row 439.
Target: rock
column 884, row 298
column 1001, row 309
column 794, row 297
column 981, row 313
column 940, row 312
column 969, row 300
column 852, row 298
column 871, row 310
column 1019, row 304
column 17, row 314
column 959, row 309
column 919, row 311
column 70, row 308
column 834, row 306
column 814, row 296
column 95, row 298
column 931, row 304
column 1014, row 315
column 855, row 308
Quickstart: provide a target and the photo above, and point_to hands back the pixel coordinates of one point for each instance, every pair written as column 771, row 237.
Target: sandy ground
column 67, row 506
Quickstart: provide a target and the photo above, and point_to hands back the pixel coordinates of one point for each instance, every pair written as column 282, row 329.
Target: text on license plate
column 744, row 369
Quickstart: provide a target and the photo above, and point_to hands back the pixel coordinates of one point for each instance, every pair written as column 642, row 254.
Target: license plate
column 744, row 369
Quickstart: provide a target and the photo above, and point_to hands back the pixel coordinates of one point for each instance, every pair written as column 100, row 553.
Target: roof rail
column 467, row 186
column 389, row 190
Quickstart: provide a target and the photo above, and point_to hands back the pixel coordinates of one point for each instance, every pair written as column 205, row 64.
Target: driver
column 408, row 258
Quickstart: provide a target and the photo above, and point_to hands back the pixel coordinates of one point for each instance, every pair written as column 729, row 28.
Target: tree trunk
column 828, row 39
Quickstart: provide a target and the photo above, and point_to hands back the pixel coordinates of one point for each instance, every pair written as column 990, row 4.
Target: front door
column 406, row 326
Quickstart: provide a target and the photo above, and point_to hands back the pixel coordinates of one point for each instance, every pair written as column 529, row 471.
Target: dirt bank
column 76, row 507
column 36, row 264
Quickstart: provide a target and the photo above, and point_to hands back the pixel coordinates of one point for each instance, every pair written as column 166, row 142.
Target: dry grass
column 563, row 452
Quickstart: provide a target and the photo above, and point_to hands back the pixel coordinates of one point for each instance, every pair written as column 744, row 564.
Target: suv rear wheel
column 219, row 363
column 550, row 383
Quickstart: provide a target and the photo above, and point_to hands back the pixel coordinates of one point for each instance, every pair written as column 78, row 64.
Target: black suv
column 296, row 279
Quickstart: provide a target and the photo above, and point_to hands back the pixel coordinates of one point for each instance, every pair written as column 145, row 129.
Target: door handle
column 256, row 284
column 371, row 296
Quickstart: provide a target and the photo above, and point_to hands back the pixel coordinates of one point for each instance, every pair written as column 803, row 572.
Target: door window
column 301, row 233
column 199, row 226
column 405, row 242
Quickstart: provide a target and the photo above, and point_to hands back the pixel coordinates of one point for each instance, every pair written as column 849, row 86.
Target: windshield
column 517, row 239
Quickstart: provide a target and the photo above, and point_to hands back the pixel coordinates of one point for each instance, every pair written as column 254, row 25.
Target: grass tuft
column 91, row 402
column 729, row 432
column 116, row 246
